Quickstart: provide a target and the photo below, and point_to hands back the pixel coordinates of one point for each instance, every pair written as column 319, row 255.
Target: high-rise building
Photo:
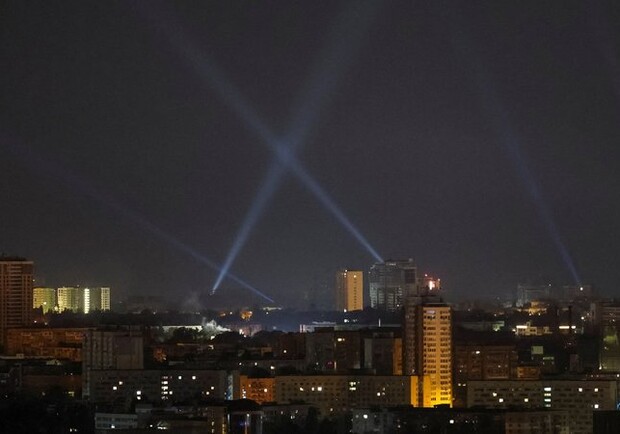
column 96, row 299
column 390, row 282
column 16, row 275
column 44, row 298
column 349, row 290
column 427, row 348
column 69, row 298
column 83, row 300
column 607, row 319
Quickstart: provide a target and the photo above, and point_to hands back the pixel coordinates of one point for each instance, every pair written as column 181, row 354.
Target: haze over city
column 480, row 140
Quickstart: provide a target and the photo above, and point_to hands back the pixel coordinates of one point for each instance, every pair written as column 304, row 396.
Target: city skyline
column 480, row 141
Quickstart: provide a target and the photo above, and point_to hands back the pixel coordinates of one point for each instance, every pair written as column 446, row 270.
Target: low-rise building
column 580, row 398
column 115, row 421
column 526, row 422
column 121, row 387
column 56, row 343
column 482, row 362
column 454, row 420
column 339, row 393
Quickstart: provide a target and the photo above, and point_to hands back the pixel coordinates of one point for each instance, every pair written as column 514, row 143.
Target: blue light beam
column 322, row 84
column 30, row 157
column 217, row 82
column 266, row 191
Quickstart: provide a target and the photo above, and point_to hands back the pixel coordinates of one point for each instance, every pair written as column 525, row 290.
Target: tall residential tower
column 427, row 349
column 16, row 275
column 349, row 290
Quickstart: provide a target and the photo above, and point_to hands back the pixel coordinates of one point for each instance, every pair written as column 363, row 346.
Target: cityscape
column 400, row 359
column 273, row 217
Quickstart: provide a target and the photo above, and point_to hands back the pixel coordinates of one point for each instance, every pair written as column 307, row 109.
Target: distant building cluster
column 18, row 297
column 73, row 299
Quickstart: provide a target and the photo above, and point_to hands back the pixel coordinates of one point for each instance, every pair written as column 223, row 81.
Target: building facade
column 96, row 299
column 58, row 343
column 121, row 387
column 579, row 397
column 69, row 298
column 110, row 350
column 349, row 290
column 83, row 300
column 44, row 298
column 390, row 282
column 427, row 349
column 482, row 362
column 607, row 318
column 260, row 390
column 339, row 393
column 16, row 277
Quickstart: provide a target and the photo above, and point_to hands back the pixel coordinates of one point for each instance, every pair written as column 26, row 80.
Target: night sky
column 479, row 139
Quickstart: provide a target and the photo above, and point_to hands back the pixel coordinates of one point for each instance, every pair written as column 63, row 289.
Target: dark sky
column 479, row 139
